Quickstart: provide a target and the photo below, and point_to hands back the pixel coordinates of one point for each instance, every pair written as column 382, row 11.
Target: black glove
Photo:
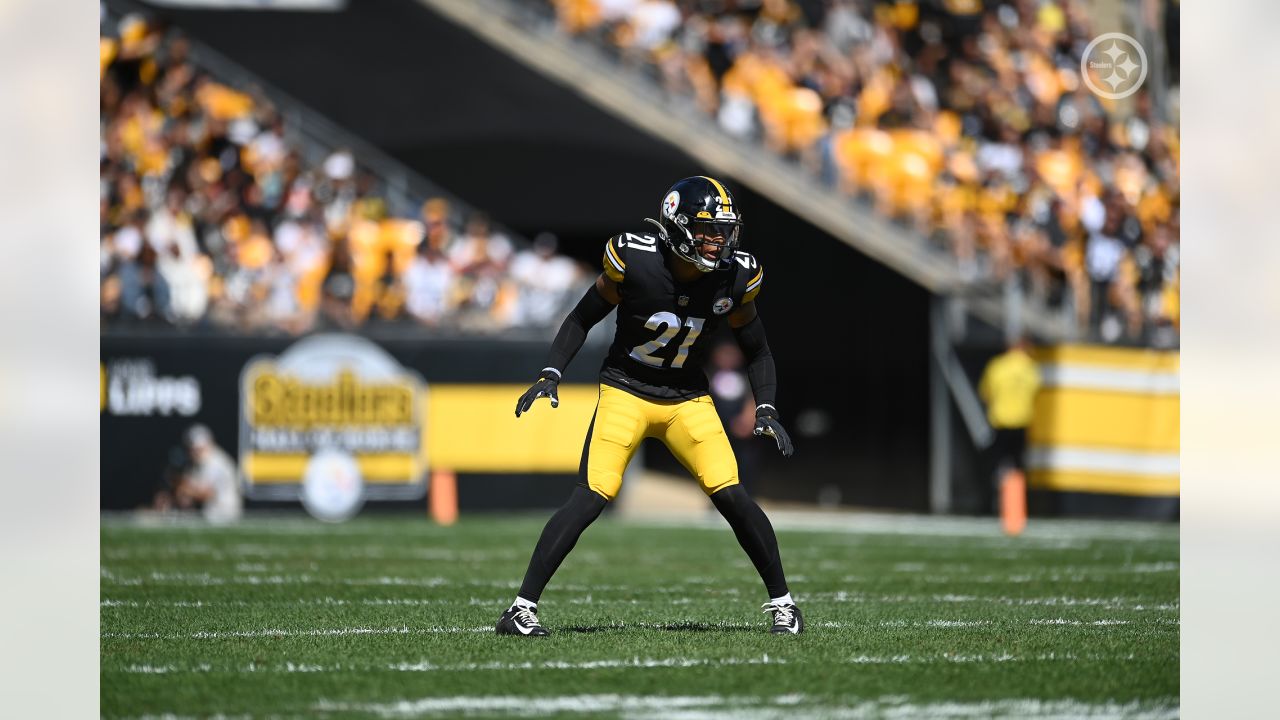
column 548, row 385
column 767, row 424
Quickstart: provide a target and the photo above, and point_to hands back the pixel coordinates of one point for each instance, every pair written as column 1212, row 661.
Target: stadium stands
column 213, row 216
column 964, row 120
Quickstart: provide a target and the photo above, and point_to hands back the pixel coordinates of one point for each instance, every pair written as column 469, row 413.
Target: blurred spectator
column 171, row 232
column 338, row 291
column 429, row 285
column 479, row 258
column 389, row 292
column 545, row 281
column 144, row 293
column 966, row 121
column 210, row 481
column 209, row 216
column 1009, row 386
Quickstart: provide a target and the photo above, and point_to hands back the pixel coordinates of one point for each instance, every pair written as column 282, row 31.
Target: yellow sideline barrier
column 473, row 428
column 1106, row 421
column 269, row 469
column 470, row 428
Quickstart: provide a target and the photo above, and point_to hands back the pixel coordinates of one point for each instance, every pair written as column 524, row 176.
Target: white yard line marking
column 1078, row 623
column 1152, row 567
column 1119, row 603
column 957, row 623
column 1113, row 603
column 720, row 707
column 275, row 632
column 1041, row 533
column 405, row 630
column 864, row 523
column 205, row 579
column 527, row 705
column 151, row 670
column 428, row 666
column 425, row 665
column 833, row 624
column 325, row 601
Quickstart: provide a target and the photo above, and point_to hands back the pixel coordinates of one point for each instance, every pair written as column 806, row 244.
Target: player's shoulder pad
column 626, row 247
column 750, row 276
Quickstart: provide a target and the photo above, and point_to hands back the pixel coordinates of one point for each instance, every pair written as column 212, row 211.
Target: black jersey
column 665, row 326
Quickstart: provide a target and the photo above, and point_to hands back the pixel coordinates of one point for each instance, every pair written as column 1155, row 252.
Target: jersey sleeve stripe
column 755, row 282
column 613, row 258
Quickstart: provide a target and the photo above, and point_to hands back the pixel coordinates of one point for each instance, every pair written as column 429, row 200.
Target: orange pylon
column 1013, row 502
column 442, row 497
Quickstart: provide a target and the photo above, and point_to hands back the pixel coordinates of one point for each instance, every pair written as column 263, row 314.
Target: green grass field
column 392, row 616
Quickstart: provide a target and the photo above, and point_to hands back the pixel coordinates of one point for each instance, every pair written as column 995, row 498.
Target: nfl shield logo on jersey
column 682, row 300
column 722, row 305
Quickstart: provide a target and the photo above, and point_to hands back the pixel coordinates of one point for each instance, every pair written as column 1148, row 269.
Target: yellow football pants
column 690, row 428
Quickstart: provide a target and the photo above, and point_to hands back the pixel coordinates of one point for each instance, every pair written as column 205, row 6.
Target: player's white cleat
column 787, row 619
column 519, row 620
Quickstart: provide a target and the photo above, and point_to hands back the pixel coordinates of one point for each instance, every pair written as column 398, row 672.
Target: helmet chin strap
column 662, row 231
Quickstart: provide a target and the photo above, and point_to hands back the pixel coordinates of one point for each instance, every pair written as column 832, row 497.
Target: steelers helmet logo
column 670, row 203
column 722, row 306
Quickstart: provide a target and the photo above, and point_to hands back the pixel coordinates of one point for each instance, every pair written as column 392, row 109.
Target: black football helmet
column 699, row 211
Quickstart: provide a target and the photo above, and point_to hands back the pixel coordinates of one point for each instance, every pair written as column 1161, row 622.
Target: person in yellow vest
column 1009, row 385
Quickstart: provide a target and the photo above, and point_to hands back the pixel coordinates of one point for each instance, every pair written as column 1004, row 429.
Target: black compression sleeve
column 558, row 538
column 754, row 533
column 591, row 309
column 760, row 370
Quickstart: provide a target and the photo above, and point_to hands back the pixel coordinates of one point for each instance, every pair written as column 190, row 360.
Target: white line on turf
column 325, row 601
column 719, row 707
column 1113, row 603
column 428, row 666
column 205, row 579
column 173, row 716
column 1043, row 532
column 405, row 630
column 1062, row 621
column 833, row 624
column 280, row 632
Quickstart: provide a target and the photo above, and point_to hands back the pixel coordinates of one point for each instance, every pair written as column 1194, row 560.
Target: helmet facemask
column 687, row 239
column 721, row 237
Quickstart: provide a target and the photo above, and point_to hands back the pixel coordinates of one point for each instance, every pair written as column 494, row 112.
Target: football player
column 672, row 288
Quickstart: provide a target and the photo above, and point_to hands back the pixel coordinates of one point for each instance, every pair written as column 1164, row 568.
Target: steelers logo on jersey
column 670, row 204
column 722, row 306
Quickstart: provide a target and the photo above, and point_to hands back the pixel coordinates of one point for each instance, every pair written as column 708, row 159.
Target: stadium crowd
column 966, row 120
column 211, row 218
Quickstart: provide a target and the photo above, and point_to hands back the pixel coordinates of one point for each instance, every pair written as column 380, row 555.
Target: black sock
column 755, row 535
column 558, row 538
